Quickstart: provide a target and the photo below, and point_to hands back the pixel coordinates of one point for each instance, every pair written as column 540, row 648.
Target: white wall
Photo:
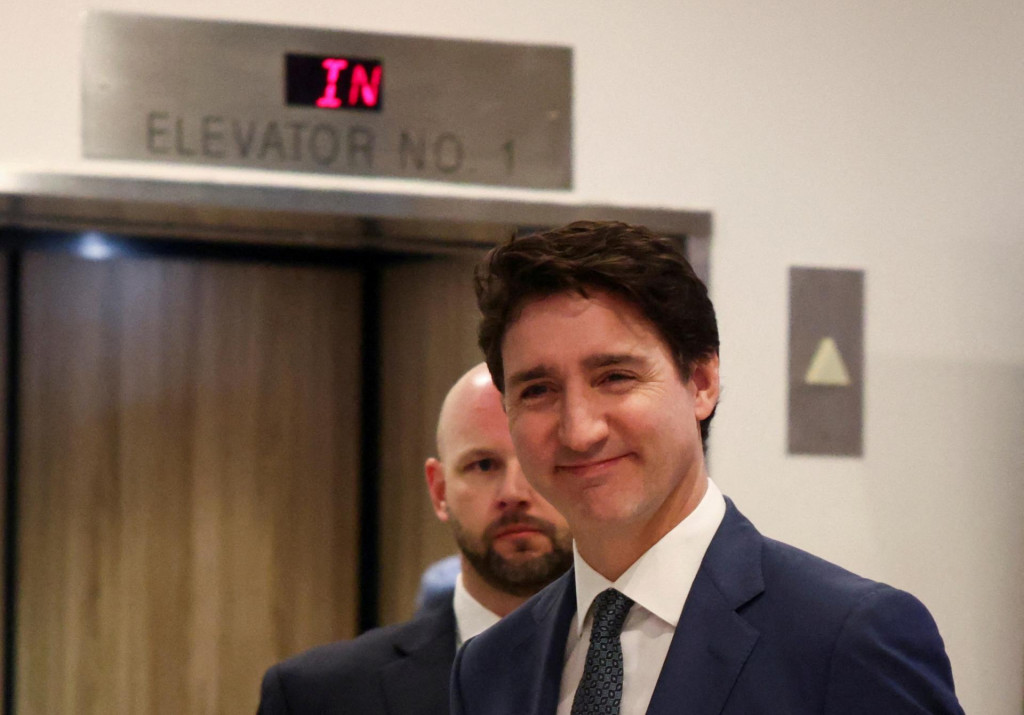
column 887, row 136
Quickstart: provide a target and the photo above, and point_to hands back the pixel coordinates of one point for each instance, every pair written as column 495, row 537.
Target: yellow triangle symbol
column 827, row 366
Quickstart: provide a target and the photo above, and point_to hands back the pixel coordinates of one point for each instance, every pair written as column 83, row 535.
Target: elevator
column 219, row 398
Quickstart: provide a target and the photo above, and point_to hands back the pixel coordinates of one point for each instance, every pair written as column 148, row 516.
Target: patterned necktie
column 600, row 688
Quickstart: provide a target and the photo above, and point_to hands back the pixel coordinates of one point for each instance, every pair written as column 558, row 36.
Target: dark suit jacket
column 396, row 670
column 767, row 628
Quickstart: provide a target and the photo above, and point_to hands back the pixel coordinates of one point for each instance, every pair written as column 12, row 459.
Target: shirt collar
column 471, row 617
column 661, row 578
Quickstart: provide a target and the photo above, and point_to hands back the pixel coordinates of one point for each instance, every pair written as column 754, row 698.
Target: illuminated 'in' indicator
column 334, row 82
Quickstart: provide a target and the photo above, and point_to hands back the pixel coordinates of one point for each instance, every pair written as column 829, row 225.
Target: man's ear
column 704, row 379
column 434, row 471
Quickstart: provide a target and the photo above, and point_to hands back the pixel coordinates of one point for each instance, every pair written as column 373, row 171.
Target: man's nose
column 513, row 490
column 582, row 424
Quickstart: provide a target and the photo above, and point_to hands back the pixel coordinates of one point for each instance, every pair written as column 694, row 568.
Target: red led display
column 334, row 82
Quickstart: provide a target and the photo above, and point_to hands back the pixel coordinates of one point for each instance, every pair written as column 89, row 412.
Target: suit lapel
column 539, row 649
column 712, row 641
column 553, row 614
column 417, row 681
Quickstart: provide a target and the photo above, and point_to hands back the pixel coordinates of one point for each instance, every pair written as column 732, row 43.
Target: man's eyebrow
column 590, row 363
column 473, row 455
column 533, row 373
column 609, row 359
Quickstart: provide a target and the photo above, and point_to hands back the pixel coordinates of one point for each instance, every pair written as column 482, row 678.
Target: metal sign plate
column 201, row 92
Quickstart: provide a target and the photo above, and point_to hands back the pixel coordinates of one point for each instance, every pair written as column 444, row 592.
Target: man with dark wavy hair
column 605, row 346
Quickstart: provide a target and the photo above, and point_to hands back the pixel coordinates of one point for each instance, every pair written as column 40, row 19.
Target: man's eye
column 532, row 391
column 484, row 465
column 618, row 377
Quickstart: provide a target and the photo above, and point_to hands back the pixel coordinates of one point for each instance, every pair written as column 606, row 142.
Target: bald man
column 512, row 543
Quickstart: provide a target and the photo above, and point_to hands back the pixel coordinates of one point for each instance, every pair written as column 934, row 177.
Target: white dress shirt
column 471, row 617
column 659, row 583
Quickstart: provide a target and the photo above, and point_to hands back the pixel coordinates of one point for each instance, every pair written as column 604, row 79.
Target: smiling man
column 512, row 543
column 604, row 344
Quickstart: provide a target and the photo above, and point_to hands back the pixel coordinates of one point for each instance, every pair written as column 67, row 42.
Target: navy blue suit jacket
column 766, row 628
column 396, row 670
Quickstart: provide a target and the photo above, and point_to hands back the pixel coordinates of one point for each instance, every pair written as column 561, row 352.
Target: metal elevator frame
column 268, row 222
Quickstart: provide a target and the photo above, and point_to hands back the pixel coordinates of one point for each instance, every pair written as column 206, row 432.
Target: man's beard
column 515, row 577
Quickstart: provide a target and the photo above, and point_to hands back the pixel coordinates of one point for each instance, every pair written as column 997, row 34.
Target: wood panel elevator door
column 188, row 500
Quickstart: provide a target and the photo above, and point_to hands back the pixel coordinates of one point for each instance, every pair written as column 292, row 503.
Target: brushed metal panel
column 68, row 191
column 203, row 92
column 826, row 419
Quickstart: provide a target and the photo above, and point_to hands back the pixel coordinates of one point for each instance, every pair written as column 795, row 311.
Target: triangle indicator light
column 827, row 367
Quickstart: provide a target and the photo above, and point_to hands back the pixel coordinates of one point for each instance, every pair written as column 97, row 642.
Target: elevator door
column 188, row 479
